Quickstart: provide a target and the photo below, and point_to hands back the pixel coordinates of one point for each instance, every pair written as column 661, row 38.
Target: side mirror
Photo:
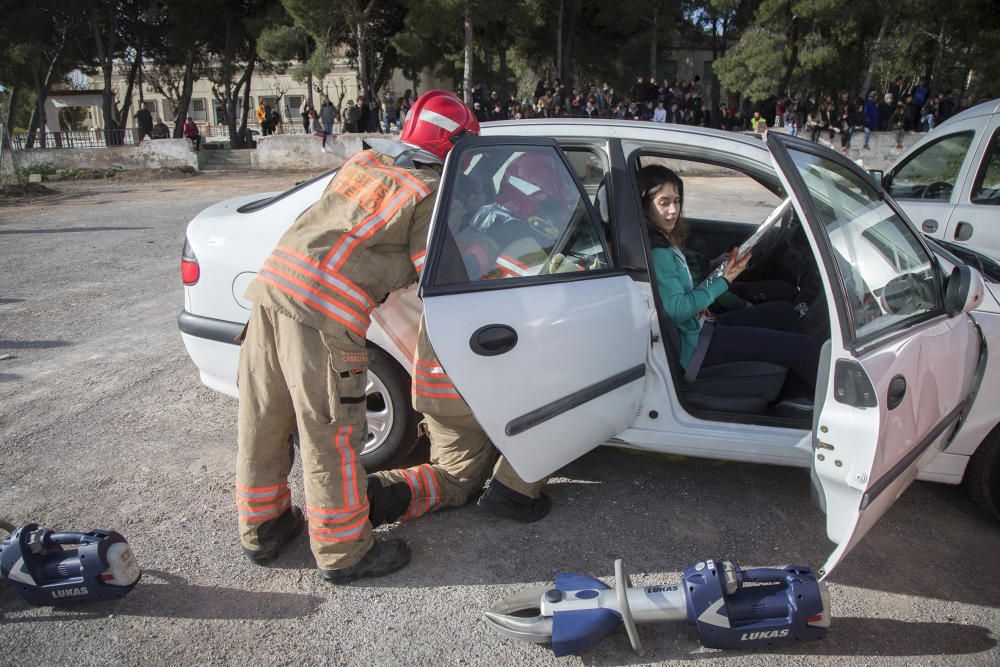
column 877, row 175
column 964, row 290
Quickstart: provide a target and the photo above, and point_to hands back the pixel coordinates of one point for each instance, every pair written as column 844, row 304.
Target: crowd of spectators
column 816, row 116
column 832, row 118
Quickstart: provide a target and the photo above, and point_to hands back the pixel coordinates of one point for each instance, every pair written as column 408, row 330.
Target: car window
column 888, row 275
column 516, row 212
column 718, row 193
column 589, row 167
column 931, row 172
column 986, row 189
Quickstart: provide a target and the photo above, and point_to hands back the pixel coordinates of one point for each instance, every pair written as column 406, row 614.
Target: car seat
column 746, row 387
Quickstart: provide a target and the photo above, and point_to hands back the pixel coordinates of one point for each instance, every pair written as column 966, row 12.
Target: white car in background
column 948, row 183
column 575, row 353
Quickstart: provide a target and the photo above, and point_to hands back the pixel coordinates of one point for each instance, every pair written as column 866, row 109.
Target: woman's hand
column 733, row 267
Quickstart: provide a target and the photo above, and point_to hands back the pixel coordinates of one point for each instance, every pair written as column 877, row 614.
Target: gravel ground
column 104, row 424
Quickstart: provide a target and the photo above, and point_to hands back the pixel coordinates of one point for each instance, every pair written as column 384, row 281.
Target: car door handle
column 963, row 231
column 493, row 339
column 897, row 390
column 929, row 226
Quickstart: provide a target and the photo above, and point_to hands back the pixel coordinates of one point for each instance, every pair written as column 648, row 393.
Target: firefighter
column 303, row 364
column 506, row 236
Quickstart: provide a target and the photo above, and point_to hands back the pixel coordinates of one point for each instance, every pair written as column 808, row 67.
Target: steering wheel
column 937, row 190
column 773, row 239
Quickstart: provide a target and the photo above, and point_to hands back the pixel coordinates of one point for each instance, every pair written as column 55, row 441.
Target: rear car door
column 928, row 182
column 543, row 338
column 899, row 368
column 975, row 220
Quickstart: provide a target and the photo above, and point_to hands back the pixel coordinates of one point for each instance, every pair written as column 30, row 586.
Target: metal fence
column 81, row 139
column 98, row 138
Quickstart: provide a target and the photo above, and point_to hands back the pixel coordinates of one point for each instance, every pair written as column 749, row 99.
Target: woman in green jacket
column 759, row 333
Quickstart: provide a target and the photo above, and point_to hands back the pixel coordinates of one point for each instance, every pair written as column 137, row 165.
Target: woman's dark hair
column 651, row 178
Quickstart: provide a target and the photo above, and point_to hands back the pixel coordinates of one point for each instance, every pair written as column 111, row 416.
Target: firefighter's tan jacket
column 363, row 239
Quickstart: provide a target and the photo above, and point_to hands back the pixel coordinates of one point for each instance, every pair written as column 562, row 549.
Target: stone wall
column 305, row 151
column 882, row 151
column 149, row 154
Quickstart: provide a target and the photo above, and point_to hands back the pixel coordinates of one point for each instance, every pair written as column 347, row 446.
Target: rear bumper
column 221, row 331
column 213, row 349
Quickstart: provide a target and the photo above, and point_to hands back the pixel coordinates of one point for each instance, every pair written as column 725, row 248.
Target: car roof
column 982, row 109
column 625, row 129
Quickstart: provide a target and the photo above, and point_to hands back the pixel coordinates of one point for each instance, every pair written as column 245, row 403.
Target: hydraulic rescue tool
column 50, row 568
column 731, row 608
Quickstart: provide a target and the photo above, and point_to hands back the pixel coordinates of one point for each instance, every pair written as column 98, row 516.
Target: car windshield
column 770, row 226
column 888, row 275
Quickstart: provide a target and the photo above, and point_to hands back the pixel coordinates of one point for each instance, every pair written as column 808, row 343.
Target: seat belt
column 698, row 356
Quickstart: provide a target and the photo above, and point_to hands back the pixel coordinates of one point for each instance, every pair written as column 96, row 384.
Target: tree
column 238, row 25
column 721, row 22
column 37, row 51
column 366, row 26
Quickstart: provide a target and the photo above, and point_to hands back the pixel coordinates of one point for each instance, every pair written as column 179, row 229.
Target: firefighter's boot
column 385, row 556
column 503, row 501
column 386, row 503
column 274, row 534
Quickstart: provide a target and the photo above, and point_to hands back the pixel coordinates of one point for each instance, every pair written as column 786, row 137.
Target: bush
column 43, row 168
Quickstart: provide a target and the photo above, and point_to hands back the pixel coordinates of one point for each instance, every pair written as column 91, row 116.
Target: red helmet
column 436, row 120
column 531, row 178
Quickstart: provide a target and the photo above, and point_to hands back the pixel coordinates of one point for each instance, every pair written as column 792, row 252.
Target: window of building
column 199, row 110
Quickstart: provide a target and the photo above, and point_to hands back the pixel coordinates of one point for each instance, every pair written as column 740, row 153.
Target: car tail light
column 190, row 271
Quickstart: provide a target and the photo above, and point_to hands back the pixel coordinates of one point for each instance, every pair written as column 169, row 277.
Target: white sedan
column 563, row 346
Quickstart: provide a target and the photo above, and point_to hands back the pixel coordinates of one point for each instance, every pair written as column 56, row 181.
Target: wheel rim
column 380, row 414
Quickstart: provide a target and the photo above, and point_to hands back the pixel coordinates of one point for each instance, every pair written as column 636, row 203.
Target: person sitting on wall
column 160, row 131
column 191, row 132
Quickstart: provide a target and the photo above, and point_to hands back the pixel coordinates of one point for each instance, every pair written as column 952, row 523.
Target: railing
column 96, row 138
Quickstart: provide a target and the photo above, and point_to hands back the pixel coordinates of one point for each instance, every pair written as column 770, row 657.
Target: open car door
column 900, row 369
column 542, row 337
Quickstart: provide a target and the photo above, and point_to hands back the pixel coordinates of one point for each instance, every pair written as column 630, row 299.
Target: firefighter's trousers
column 288, row 379
column 461, row 460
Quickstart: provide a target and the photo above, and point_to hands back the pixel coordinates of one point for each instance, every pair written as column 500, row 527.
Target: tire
column 392, row 422
column 982, row 477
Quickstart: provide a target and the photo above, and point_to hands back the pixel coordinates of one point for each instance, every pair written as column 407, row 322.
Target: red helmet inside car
column 530, row 180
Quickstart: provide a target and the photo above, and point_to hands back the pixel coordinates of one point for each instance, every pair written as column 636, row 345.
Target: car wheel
column 392, row 422
column 982, row 477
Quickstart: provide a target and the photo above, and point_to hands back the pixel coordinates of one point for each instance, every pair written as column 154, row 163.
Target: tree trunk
column 237, row 138
column 467, row 74
column 361, row 38
column 793, row 59
column 127, row 100
column 559, row 42
column 186, row 90
column 105, row 54
column 504, row 70
column 873, row 60
column 568, row 53
column 37, row 122
column 936, row 73
column 11, row 107
column 653, row 46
